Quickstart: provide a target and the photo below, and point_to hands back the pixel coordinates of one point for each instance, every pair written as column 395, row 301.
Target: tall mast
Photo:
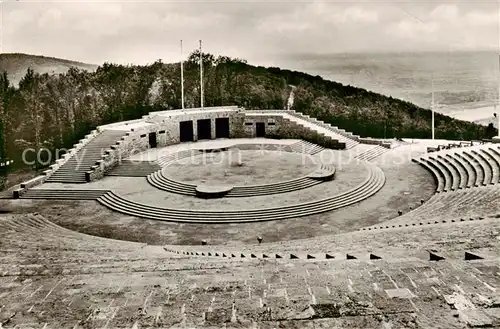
column 201, row 77
column 1, row 27
column 432, row 106
column 182, row 77
column 497, row 109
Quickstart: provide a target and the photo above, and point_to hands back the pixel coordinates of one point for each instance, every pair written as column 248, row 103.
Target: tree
column 32, row 121
column 4, row 84
column 57, row 110
column 490, row 131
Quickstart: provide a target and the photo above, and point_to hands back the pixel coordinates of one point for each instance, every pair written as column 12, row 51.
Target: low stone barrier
column 372, row 141
column 33, row 182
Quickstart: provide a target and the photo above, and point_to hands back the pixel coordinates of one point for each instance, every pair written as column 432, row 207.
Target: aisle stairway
column 134, row 168
column 372, row 153
column 306, row 147
column 320, row 127
column 335, row 132
column 73, row 171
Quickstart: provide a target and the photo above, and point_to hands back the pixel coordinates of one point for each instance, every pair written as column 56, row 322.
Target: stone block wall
column 167, row 131
column 237, row 125
column 372, row 141
column 134, row 142
column 165, row 124
column 168, row 125
column 273, row 123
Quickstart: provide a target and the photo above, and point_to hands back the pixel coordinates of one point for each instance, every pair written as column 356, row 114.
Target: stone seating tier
column 465, row 167
column 473, row 202
column 493, row 162
column 63, row 194
column 489, row 166
column 368, row 187
column 473, row 170
column 119, row 284
column 460, row 178
column 484, row 168
column 323, row 173
column 386, row 226
column 465, row 181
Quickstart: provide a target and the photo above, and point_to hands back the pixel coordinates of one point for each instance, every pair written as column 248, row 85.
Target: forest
column 53, row 111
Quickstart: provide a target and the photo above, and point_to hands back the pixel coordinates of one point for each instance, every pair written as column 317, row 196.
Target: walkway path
column 291, row 97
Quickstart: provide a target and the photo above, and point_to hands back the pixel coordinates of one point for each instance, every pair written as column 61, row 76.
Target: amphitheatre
column 222, row 217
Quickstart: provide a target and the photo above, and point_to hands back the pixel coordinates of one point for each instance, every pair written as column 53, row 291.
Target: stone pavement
column 63, row 279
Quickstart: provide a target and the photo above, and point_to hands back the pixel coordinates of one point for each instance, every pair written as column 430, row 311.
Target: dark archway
column 204, row 129
column 222, row 128
column 186, row 131
column 152, row 140
column 260, row 129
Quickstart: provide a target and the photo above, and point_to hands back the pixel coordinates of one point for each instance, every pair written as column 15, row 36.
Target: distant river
column 465, row 83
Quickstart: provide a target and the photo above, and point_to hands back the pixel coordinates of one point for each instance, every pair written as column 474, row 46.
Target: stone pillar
column 195, row 130
column 212, row 128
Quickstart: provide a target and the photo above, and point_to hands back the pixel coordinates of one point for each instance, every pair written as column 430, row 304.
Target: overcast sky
column 141, row 32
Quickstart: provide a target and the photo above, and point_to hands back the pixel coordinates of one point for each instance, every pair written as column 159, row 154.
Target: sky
column 141, row 32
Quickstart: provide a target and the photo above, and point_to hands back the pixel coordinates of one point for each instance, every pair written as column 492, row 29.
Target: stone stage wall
column 166, row 125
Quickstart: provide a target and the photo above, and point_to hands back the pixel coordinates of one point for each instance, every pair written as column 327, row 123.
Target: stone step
column 321, row 127
column 134, row 169
column 372, row 153
column 85, row 158
column 63, row 194
column 448, row 207
column 494, row 164
column 464, row 168
column 372, row 184
column 160, row 181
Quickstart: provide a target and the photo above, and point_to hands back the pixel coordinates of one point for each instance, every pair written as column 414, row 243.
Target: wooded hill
column 55, row 111
column 16, row 65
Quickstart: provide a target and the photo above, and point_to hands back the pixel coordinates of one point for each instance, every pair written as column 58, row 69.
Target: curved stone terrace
column 246, row 172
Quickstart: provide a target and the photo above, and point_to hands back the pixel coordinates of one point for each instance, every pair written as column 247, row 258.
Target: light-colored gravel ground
column 240, row 167
column 345, row 180
column 155, row 153
column 406, row 184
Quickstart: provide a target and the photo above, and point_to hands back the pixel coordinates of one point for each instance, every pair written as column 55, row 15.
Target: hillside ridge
column 54, row 111
column 17, row 64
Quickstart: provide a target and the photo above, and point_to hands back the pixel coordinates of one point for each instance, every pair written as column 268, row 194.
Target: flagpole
column 498, row 106
column 1, row 27
column 432, row 107
column 182, row 77
column 201, row 77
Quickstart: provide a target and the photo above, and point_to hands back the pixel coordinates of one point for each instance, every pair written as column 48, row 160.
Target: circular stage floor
column 406, row 184
column 241, row 167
